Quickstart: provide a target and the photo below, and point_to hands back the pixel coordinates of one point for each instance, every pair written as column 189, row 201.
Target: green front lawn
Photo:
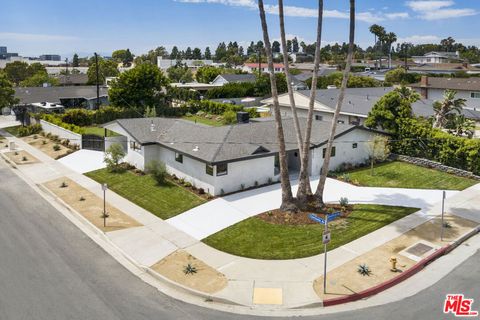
column 258, row 239
column 405, row 175
column 164, row 201
column 203, row 120
column 12, row 130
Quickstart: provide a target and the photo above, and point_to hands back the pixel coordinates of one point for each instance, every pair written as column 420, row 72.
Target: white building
column 164, row 64
column 437, row 57
column 231, row 158
column 223, row 79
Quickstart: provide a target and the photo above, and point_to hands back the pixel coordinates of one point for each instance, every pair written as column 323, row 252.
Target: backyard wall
column 62, row 133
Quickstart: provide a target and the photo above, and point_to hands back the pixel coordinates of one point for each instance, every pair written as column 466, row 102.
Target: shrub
column 343, row 201
column 56, row 147
column 63, row 185
column 44, row 142
column 78, row 117
column 201, row 191
column 29, row 130
column 158, row 171
column 364, row 270
column 82, row 198
column 187, row 185
column 24, row 158
column 229, row 117
column 113, row 156
column 189, row 269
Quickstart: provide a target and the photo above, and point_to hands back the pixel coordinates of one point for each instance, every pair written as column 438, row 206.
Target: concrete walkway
column 82, row 161
column 156, row 239
column 211, row 217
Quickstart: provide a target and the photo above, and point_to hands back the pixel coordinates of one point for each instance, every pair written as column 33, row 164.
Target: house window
column 209, row 170
column 179, row 157
column 355, row 146
column 475, row 95
column 135, row 146
column 222, row 169
column 318, row 117
column 276, row 164
column 341, row 122
column 334, row 150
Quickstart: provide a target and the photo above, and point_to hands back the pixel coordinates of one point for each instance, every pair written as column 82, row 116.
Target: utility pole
column 105, row 216
column 66, row 72
column 97, row 77
column 259, row 62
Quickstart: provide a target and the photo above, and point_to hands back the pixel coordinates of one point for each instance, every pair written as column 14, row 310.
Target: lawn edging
column 403, row 276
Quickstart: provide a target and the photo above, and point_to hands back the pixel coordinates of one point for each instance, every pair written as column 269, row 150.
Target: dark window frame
column 220, row 171
column 179, row 157
column 209, row 169
column 334, row 152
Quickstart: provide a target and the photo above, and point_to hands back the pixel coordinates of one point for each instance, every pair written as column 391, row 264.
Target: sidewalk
column 157, row 239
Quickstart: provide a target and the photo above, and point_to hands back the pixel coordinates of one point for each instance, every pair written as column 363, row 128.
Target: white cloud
column 34, row 37
column 397, row 15
column 439, row 9
column 420, row 39
column 304, row 12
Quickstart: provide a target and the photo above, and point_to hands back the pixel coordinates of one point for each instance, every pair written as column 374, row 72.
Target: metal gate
column 93, row 142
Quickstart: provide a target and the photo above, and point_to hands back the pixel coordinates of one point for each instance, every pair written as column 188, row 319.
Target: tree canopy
column 7, row 93
column 106, row 68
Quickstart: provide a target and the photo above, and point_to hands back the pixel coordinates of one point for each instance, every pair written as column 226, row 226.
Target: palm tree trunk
column 289, row 81
column 287, row 197
column 304, row 188
column 341, row 96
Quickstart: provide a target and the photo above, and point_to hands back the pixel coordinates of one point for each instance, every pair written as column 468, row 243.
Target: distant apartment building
column 50, row 57
column 4, row 54
column 164, row 64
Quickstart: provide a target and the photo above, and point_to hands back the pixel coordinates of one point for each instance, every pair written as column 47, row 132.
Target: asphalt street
column 50, row 270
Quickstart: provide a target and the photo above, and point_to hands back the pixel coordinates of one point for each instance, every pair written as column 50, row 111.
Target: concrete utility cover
column 419, row 250
column 268, row 296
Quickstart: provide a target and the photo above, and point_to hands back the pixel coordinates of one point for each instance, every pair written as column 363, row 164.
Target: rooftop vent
column 152, row 127
column 196, row 149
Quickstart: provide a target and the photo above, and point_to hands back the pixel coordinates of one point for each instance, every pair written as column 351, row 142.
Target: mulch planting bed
column 278, row 216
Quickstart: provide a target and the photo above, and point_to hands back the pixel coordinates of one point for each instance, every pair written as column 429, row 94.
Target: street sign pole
column 325, row 257
column 104, row 188
column 443, row 213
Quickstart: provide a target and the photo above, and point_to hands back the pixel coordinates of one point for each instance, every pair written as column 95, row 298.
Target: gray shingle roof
column 361, row 100
column 222, row 144
column 73, row 79
column 54, row 94
column 470, row 84
column 238, row 78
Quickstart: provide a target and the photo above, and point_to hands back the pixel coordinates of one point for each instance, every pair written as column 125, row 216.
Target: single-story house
column 223, row 79
column 356, row 106
column 231, row 158
column 437, row 57
column 68, row 96
column 164, row 64
column 467, row 88
column 253, row 67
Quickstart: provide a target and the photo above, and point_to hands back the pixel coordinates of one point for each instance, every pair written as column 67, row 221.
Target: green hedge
column 416, row 138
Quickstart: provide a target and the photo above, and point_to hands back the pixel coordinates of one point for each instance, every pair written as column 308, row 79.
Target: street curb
column 171, row 284
column 8, row 161
column 403, row 276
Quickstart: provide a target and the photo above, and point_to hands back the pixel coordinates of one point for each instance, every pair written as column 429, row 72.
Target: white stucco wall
column 246, row 173
column 62, row 133
column 437, row 94
column 345, row 153
column 326, row 116
column 134, row 157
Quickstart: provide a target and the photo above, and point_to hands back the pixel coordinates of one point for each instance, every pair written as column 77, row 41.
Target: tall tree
column 221, row 52
column 75, row 62
column 287, row 197
column 328, row 153
column 378, row 31
column 295, row 46
column 17, row 71
column 197, row 54
column 446, row 107
column 389, row 38
column 7, row 93
column 251, row 49
column 174, row 53
column 276, row 46
column 107, row 68
column 188, row 53
column 304, row 188
column 208, row 53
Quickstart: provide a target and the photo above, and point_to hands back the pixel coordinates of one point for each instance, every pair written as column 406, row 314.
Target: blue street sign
column 316, row 219
column 333, row 216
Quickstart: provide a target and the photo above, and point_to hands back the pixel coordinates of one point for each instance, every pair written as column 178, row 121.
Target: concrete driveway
column 84, row 161
column 216, row 215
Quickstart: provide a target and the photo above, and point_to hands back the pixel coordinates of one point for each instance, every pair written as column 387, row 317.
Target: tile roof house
column 253, row 67
column 223, row 159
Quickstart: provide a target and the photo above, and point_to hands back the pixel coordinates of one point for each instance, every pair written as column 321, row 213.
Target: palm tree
column 390, row 38
column 460, row 126
column 289, row 80
column 341, row 97
column 304, row 188
column 443, row 108
column 378, row 31
column 287, row 197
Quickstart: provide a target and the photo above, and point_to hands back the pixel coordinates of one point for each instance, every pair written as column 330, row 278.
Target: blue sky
column 33, row 27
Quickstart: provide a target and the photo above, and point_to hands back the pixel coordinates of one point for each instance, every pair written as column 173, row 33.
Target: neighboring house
column 72, row 79
column 68, row 96
column 231, row 158
column 298, row 84
column 437, row 57
column 356, row 106
column 467, row 88
column 233, row 78
column 253, row 67
column 164, row 64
